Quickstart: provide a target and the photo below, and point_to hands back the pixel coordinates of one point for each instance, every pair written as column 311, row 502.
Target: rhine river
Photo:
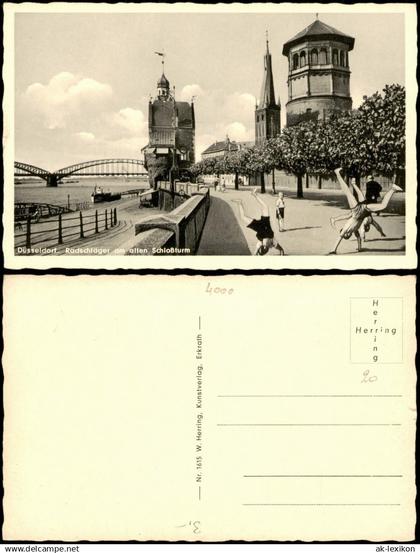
column 74, row 191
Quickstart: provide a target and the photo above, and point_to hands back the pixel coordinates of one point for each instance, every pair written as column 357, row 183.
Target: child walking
column 280, row 211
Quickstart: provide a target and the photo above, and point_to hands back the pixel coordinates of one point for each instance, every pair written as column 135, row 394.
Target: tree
column 383, row 119
column 294, row 151
column 258, row 162
column 371, row 138
column 234, row 163
column 207, row 166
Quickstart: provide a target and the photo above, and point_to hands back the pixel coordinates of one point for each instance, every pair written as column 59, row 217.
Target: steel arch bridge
column 24, row 169
column 99, row 167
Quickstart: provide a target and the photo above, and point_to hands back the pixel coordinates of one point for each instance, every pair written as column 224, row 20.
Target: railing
column 25, row 210
column 187, row 188
column 177, row 232
column 133, row 192
column 168, row 201
column 59, row 230
column 74, row 205
column 162, row 198
column 191, row 219
column 37, row 211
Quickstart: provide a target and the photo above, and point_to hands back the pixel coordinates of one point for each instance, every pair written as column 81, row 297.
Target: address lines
column 314, row 476
column 320, row 424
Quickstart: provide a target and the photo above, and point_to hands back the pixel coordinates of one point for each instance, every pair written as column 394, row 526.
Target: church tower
column 267, row 111
column 319, row 73
column 171, row 132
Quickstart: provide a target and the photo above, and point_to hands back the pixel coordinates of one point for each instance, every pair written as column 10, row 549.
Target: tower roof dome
column 318, row 31
column 163, row 82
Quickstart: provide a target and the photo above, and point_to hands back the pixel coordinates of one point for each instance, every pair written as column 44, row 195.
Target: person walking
column 373, row 190
column 280, row 206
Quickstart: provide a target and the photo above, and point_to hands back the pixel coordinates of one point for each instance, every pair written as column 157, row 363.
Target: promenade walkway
column 307, row 225
column 222, row 234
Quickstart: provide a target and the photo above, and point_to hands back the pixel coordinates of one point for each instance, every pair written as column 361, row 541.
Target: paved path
column 307, row 225
column 222, row 234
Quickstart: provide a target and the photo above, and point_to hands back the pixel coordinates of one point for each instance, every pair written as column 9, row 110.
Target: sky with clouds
column 83, row 81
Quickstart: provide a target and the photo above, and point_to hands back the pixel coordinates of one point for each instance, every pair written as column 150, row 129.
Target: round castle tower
column 319, row 73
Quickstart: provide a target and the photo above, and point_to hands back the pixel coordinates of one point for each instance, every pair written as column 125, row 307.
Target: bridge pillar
column 52, row 180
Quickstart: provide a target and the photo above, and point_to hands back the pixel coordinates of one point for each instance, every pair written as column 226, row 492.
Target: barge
column 99, row 195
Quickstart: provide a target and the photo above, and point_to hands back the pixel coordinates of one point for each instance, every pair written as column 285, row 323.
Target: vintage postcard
column 209, row 409
column 210, row 136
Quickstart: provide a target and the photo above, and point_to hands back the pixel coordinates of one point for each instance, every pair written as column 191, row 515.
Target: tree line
column 368, row 139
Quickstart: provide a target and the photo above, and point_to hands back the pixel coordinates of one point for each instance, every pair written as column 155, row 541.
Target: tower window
column 258, row 118
column 262, row 117
column 314, row 57
column 342, row 58
column 323, row 59
column 335, row 56
column 295, row 61
column 302, row 59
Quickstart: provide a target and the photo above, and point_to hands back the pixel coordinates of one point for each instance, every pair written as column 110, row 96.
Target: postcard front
column 143, row 151
column 209, row 409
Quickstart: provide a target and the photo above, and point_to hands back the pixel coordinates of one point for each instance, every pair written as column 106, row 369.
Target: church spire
column 267, row 96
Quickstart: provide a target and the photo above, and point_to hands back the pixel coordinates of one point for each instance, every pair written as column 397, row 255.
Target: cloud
column 78, row 116
column 191, row 90
column 130, row 120
column 219, row 114
column 238, row 131
column 235, row 130
column 89, row 88
column 65, row 99
column 240, row 103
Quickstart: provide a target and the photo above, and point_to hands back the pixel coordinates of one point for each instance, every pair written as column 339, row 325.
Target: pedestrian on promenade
column 360, row 210
column 373, row 190
column 280, row 211
column 261, row 226
column 215, row 183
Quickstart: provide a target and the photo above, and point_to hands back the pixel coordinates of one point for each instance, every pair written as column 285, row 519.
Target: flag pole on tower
column 162, row 55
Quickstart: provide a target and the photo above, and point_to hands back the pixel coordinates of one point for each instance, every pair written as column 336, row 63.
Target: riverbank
column 74, row 191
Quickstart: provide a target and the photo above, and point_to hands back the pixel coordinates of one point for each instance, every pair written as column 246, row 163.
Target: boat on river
column 99, row 195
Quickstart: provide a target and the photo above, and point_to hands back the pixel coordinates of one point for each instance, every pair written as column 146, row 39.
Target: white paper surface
column 160, row 408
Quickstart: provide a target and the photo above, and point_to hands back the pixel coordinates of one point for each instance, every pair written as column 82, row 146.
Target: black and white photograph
column 209, row 409
column 235, row 133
